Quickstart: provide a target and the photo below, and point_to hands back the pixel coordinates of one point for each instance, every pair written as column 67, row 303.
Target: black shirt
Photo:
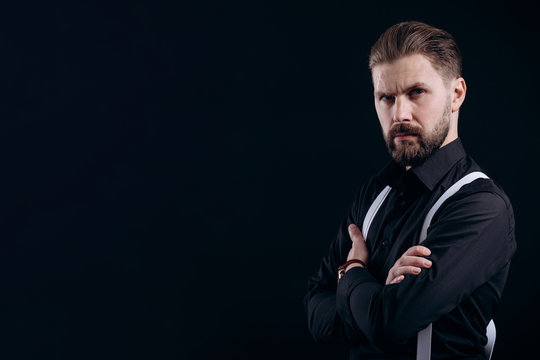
column 471, row 239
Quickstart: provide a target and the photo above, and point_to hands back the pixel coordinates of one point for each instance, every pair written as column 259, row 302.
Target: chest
column 395, row 227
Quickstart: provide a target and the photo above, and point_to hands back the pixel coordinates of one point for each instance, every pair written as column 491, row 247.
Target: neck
column 448, row 140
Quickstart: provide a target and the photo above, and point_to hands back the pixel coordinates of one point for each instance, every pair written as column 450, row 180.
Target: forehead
column 402, row 73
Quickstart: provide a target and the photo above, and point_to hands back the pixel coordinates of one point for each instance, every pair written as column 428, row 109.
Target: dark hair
column 413, row 37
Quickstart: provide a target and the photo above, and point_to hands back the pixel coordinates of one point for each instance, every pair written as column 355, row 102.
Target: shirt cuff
column 353, row 278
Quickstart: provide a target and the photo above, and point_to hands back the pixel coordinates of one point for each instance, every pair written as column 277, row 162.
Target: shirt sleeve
column 324, row 322
column 470, row 241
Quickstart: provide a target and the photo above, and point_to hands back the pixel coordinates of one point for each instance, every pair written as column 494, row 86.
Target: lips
column 404, row 136
column 404, row 132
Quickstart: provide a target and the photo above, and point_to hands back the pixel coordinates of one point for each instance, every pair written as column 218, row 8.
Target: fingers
column 412, row 265
column 396, row 280
column 396, row 274
column 417, row 250
column 359, row 248
column 413, row 261
column 355, row 233
column 413, row 270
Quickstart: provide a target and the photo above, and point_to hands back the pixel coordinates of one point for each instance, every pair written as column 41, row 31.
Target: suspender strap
column 372, row 211
column 423, row 344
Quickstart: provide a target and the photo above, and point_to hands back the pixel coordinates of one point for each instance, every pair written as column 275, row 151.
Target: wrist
column 350, row 264
column 349, row 267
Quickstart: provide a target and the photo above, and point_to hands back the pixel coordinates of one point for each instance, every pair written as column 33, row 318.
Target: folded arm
column 469, row 243
column 324, row 322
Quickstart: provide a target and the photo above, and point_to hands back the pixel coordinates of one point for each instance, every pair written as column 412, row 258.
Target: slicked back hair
column 413, row 37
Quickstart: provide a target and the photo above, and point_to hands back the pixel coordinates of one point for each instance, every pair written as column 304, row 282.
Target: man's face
column 413, row 103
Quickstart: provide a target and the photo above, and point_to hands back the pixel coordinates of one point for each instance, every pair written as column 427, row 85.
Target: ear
column 459, row 89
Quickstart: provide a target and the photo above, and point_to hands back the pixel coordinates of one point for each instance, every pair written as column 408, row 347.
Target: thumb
column 355, row 233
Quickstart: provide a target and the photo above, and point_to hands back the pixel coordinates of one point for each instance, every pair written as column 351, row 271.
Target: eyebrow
column 418, row 84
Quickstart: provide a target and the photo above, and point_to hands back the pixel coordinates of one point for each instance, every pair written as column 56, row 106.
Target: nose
column 402, row 110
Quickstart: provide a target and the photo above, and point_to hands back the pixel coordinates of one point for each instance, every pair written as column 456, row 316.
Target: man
column 391, row 287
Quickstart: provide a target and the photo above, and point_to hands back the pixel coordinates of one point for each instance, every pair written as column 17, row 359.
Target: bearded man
column 377, row 289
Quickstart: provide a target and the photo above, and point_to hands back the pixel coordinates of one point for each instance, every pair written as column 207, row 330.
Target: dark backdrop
column 172, row 173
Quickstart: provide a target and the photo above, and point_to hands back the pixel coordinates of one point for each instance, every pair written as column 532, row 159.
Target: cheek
column 427, row 114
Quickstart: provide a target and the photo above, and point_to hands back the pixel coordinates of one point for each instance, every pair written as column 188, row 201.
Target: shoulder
column 482, row 200
column 486, row 190
column 489, row 189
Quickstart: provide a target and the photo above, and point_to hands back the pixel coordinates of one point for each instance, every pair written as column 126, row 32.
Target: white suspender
column 451, row 191
column 423, row 347
column 372, row 211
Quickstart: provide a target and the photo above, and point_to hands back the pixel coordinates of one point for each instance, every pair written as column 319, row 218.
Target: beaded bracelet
column 341, row 269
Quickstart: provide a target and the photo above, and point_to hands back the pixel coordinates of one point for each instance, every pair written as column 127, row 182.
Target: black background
column 173, row 172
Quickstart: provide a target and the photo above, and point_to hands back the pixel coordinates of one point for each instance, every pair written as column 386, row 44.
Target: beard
column 416, row 151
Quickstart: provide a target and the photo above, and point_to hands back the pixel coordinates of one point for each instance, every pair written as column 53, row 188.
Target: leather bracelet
column 342, row 268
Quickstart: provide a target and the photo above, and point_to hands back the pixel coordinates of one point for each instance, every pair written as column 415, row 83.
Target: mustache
column 404, row 128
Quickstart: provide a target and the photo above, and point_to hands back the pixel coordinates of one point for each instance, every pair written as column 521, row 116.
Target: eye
column 416, row 92
column 387, row 98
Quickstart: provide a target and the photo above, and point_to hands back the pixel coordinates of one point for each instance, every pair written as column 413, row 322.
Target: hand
column 359, row 249
column 411, row 262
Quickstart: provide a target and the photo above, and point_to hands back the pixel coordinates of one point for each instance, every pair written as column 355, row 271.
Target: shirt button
column 385, row 243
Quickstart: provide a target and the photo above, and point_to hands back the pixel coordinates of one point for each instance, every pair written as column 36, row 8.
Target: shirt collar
column 431, row 171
